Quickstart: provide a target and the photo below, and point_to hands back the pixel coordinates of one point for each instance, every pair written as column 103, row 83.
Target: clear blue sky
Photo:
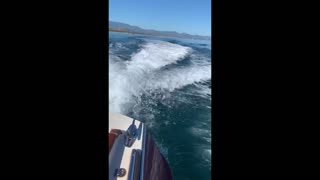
column 188, row 16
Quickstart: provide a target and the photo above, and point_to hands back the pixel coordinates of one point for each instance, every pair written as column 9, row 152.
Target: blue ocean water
column 166, row 83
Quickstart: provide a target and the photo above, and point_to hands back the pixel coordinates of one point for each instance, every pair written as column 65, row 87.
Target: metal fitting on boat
column 130, row 134
column 120, row 172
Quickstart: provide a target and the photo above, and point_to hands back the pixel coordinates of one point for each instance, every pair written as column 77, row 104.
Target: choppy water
column 166, row 83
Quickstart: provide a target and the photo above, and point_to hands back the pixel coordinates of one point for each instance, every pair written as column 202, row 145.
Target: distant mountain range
column 122, row 27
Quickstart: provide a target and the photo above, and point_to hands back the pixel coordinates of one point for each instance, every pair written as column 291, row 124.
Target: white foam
column 199, row 132
column 177, row 78
column 204, row 134
column 206, row 155
column 156, row 54
column 128, row 79
column 207, row 139
column 117, row 95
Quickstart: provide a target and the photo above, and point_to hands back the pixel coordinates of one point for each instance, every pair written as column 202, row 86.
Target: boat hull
column 142, row 160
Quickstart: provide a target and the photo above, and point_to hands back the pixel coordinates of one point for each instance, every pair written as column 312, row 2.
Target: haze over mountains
column 122, row 27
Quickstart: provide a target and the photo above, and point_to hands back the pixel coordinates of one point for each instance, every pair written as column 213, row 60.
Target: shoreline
column 132, row 33
column 121, row 31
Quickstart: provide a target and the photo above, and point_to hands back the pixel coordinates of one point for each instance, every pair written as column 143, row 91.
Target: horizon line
column 161, row 30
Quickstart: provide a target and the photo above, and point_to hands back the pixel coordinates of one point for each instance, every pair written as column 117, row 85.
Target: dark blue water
column 166, row 83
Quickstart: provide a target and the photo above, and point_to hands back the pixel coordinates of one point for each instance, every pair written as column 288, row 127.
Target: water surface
column 166, row 83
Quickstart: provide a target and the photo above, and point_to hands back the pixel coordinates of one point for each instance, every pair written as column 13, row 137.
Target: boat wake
column 142, row 73
column 168, row 86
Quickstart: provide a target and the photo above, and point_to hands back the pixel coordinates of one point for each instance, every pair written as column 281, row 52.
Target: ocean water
column 166, row 83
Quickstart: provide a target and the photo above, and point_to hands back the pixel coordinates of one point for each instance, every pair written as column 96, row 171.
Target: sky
column 184, row 16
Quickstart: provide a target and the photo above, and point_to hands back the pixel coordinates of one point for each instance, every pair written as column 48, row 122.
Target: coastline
column 133, row 33
column 128, row 32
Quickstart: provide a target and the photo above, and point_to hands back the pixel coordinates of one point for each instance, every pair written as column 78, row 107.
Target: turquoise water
column 166, row 83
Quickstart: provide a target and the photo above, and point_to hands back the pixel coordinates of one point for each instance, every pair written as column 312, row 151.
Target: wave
column 167, row 85
column 142, row 73
column 156, row 54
